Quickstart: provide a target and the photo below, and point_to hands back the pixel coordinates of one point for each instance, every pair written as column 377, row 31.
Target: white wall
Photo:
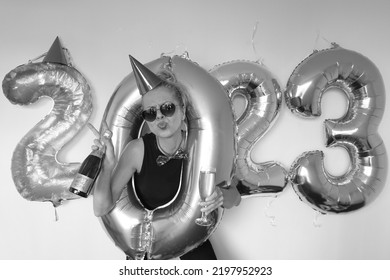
column 101, row 34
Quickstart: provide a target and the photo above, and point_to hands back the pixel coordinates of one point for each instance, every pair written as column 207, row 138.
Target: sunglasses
column 167, row 109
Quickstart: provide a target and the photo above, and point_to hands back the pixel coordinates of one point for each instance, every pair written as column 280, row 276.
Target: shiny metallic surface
column 107, row 134
column 356, row 131
column 37, row 174
column 146, row 80
column 263, row 97
column 170, row 231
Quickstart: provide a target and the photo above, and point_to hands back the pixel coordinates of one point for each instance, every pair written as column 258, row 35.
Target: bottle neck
column 98, row 153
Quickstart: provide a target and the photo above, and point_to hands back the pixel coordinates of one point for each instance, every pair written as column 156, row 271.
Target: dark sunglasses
column 167, row 109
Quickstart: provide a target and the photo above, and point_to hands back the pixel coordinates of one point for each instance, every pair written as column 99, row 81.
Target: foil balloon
column 170, row 231
column 37, row 173
column 356, row 131
column 263, row 99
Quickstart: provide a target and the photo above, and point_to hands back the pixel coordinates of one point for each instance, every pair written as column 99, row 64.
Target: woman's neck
column 170, row 145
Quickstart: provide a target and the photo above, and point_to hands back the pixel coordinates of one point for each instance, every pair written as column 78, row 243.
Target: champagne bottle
column 89, row 170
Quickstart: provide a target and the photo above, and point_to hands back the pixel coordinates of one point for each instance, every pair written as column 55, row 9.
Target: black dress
column 157, row 185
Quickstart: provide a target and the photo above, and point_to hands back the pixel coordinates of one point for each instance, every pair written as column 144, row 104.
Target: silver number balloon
column 356, row 131
column 170, row 231
column 37, row 174
column 263, row 99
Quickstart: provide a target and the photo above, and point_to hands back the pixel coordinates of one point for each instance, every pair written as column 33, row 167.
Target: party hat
column 146, row 79
column 56, row 53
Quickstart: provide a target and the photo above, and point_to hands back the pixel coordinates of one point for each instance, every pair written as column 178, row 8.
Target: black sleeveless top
column 156, row 185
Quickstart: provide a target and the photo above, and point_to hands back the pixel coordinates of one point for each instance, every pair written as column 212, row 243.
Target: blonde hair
column 169, row 81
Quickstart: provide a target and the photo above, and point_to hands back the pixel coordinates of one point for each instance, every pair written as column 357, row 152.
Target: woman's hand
column 103, row 142
column 212, row 202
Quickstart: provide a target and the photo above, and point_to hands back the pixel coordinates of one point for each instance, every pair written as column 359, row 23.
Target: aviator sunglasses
column 167, row 109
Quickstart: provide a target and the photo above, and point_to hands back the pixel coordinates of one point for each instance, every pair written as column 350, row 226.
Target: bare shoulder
column 133, row 153
column 135, row 146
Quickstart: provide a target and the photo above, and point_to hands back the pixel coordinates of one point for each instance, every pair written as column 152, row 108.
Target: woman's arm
column 226, row 197
column 111, row 180
column 114, row 176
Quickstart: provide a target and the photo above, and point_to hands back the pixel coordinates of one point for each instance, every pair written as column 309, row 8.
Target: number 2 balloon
column 37, row 173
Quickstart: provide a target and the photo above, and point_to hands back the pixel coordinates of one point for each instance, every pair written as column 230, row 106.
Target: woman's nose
column 159, row 115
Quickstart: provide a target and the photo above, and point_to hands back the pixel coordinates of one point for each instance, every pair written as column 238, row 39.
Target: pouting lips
column 162, row 125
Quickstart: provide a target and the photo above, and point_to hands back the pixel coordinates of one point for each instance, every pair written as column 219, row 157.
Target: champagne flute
column 206, row 188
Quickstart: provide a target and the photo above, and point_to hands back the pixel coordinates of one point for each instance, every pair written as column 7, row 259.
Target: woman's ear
column 184, row 113
column 184, row 126
column 184, row 120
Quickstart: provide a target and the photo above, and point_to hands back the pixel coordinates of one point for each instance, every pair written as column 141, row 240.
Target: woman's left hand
column 212, row 202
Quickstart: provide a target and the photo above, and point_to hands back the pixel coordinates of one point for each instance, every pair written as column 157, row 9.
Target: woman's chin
column 165, row 131
column 162, row 132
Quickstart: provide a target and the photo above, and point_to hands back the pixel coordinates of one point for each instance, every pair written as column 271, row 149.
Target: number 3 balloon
column 356, row 131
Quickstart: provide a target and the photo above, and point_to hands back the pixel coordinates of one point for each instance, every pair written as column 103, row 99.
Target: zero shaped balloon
column 170, row 231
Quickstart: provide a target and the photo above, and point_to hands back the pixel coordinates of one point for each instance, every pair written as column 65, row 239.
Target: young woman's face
column 163, row 126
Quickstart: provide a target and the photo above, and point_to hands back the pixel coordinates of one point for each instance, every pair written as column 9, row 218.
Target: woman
column 158, row 153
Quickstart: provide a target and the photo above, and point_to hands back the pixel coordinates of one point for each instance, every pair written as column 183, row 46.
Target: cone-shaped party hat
column 56, row 53
column 146, row 80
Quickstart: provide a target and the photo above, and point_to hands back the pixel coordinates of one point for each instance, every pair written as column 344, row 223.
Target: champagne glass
column 206, row 188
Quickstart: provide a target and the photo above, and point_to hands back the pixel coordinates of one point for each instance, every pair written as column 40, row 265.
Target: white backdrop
column 101, row 34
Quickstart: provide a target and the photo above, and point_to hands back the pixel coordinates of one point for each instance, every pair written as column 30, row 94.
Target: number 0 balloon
column 356, row 131
column 170, row 231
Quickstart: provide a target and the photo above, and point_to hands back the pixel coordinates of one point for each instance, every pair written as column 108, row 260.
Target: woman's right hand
column 104, row 142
